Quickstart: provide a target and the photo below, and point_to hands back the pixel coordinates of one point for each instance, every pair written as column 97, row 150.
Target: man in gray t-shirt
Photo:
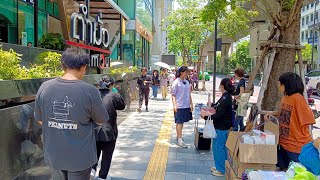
column 67, row 108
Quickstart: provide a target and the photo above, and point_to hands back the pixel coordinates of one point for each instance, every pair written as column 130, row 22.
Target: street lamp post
column 215, row 60
column 313, row 32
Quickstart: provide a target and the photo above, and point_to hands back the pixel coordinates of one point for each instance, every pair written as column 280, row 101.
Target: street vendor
column 222, row 121
column 294, row 116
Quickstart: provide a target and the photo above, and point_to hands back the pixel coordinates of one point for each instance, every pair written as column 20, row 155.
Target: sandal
column 213, row 169
column 217, row 173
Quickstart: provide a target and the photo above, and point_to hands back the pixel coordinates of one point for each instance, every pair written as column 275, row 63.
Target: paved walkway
column 146, row 148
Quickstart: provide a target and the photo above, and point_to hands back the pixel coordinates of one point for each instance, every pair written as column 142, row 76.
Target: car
column 206, row 76
column 314, row 80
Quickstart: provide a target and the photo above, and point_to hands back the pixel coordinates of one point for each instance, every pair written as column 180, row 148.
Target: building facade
column 162, row 9
column 17, row 20
column 138, row 38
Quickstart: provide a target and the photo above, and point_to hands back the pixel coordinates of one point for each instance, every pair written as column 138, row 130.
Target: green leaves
column 233, row 18
column 240, row 58
column 9, row 64
column 52, row 41
column 10, row 68
column 185, row 30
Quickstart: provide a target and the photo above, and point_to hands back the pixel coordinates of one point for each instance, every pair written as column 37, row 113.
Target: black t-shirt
column 242, row 83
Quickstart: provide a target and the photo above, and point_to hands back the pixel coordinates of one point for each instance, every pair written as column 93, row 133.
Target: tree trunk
column 284, row 62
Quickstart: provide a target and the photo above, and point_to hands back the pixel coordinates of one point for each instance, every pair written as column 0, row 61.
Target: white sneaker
column 93, row 174
column 182, row 144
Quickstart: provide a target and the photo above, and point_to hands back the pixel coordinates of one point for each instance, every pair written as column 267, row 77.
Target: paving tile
column 196, row 176
column 176, row 162
column 184, row 156
column 202, row 170
column 176, row 168
column 128, row 174
column 175, row 176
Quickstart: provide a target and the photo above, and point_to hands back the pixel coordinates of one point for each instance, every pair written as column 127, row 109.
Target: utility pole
column 215, row 60
column 313, row 32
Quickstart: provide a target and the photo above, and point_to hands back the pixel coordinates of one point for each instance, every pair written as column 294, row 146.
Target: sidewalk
column 146, row 147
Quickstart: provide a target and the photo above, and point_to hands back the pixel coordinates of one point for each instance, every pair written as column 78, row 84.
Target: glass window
column 307, row 20
column 42, row 24
column 50, row 8
column 311, row 18
column 308, row 7
column 302, row 36
column 302, row 22
column 144, row 14
column 25, row 23
column 8, row 21
column 128, row 47
column 317, row 15
column 311, row 4
column 307, row 35
column 42, row 5
column 56, row 10
column 138, row 51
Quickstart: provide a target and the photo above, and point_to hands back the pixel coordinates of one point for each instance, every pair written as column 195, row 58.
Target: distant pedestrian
column 172, row 77
column 106, row 135
column 144, row 82
column 241, row 86
column 155, row 83
column 164, row 83
column 68, row 108
column 182, row 102
column 222, row 121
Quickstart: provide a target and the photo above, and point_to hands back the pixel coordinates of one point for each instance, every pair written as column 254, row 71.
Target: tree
column 240, row 58
column 185, row 30
column 307, row 52
column 285, row 18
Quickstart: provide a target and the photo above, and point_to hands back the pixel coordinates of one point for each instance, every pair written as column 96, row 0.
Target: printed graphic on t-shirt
column 284, row 120
column 61, row 111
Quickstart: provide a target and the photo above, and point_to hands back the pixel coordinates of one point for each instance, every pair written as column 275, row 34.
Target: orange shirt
column 294, row 120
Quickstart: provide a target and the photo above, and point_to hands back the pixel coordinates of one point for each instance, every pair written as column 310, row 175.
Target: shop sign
column 143, row 31
column 98, row 60
column 83, row 29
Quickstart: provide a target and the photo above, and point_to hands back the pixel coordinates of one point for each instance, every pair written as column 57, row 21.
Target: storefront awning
column 109, row 9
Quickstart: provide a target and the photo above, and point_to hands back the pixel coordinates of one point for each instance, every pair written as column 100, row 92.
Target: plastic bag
column 309, row 157
column 209, row 131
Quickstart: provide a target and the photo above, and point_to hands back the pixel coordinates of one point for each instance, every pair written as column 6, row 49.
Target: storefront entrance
column 4, row 23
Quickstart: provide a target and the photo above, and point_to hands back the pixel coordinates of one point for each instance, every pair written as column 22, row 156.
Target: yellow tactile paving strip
column 158, row 162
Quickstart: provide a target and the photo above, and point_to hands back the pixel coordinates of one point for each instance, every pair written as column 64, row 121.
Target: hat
column 106, row 82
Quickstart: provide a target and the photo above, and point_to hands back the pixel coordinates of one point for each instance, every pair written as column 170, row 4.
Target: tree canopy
column 185, row 30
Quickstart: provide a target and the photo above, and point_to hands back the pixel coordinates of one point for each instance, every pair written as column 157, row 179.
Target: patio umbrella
column 162, row 64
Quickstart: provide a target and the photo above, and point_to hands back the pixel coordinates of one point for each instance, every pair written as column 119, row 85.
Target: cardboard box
column 230, row 174
column 251, row 153
column 239, row 167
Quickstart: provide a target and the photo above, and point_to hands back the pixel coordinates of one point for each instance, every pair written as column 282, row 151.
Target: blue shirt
column 181, row 90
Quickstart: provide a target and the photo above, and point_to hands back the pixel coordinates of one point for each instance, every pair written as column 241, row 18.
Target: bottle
column 197, row 112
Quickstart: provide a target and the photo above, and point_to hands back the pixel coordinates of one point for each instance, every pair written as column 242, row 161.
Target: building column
column 225, row 47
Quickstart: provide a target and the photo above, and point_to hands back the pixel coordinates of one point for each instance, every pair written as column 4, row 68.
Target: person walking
column 182, row 102
column 295, row 116
column 106, row 135
column 68, row 120
column 222, row 121
column 239, row 75
column 164, row 83
column 144, row 82
column 155, row 83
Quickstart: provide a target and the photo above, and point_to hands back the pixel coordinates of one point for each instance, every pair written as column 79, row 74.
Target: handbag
column 209, row 131
column 309, row 157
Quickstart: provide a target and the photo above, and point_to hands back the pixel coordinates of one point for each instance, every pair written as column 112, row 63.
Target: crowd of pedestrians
column 76, row 131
